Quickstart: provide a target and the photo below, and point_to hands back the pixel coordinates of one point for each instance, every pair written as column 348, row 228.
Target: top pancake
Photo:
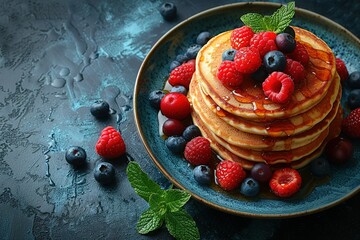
column 249, row 101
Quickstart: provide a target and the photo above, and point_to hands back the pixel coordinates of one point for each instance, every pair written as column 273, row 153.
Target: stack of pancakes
column 244, row 126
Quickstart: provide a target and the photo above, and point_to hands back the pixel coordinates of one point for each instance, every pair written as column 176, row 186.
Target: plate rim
column 166, row 173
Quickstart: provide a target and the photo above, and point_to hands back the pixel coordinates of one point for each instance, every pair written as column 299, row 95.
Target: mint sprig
column 165, row 205
column 277, row 22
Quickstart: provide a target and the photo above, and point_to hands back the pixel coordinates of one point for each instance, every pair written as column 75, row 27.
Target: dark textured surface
column 56, row 57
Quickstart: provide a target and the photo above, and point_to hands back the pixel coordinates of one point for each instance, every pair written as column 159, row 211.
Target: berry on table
column 261, row 172
column 353, row 99
column 175, row 105
column 341, row 69
column 104, row 173
column 264, row 42
column 198, row 151
column 202, row 174
column 274, row 61
column 173, row 127
column 320, row 167
column 100, row 109
column 168, row 11
column 229, row 175
column 247, row 60
column 110, row 144
column 182, row 74
column 176, row 144
column 285, row 182
column 155, row 98
column 339, row 150
column 299, row 54
column 250, row 187
column 240, row 37
column 351, row 124
column 285, row 42
column 354, row 80
column 203, row 38
column 75, row 156
column 278, row 87
column 295, row 70
column 228, row 75
column 228, row 55
column 190, row 132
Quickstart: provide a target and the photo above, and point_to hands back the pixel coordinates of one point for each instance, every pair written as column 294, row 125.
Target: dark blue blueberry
column 176, row 144
column 100, row 109
column 155, row 98
column 180, row 89
column 190, row 132
column 174, row 64
column 104, row 173
column 320, row 167
column 290, row 30
column 261, row 172
column 168, row 11
column 285, row 42
column 228, row 55
column 202, row 174
column 274, row 61
column 203, row 38
column 192, row 51
column 354, row 99
column 250, row 187
column 181, row 58
column 354, row 80
column 260, row 74
column 75, row 156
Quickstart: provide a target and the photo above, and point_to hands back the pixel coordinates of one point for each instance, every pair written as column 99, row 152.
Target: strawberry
column 228, row 74
column 278, row 87
column 341, row 69
column 285, row 182
column 182, row 74
column 295, row 70
column 240, row 37
column 299, row 54
column 351, row 124
column 247, row 60
column 229, row 174
column 198, row 151
column 264, row 42
column 110, row 144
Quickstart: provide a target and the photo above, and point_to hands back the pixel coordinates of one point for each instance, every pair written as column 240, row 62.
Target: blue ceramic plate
column 344, row 181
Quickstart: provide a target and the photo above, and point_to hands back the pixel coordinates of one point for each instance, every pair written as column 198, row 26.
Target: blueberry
column 180, row 89
column 228, row 55
column 75, row 156
column 260, row 74
column 168, row 11
column 290, row 30
column 176, row 144
column 155, row 98
column 274, row 61
column 354, row 99
column 261, row 172
column 192, row 51
column 250, row 187
column 285, row 42
column 104, row 173
column 181, row 58
column 190, row 132
column 202, row 174
column 354, row 80
column 174, row 64
column 100, row 109
column 320, row 167
column 203, row 38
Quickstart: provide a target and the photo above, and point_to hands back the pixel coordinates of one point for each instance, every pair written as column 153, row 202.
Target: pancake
column 249, row 101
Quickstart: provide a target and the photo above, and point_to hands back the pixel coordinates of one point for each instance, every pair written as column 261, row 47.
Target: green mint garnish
column 165, row 205
column 277, row 22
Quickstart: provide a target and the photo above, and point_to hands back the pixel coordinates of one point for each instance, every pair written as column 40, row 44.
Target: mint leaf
column 157, row 202
column 181, row 225
column 282, row 17
column 149, row 221
column 255, row 21
column 141, row 183
column 176, row 199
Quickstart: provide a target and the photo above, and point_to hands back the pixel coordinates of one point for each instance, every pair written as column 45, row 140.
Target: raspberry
column 351, row 124
column 341, row 69
column 264, row 42
column 240, row 37
column 278, row 87
column 228, row 74
column 182, row 74
column 295, row 70
column 299, row 54
column 247, row 60
column 175, row 105
column 110, row 144
column 285, row 182
column 198, row 151
column 229, row 174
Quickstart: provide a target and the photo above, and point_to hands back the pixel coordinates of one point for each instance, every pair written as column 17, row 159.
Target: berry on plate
column 155, row 98
column 190, row 132
column 274, row 61
column 203, row 38
column 351, row 124
column 228, row 55
column 228, row 75
column 320, row 167
column 172, row 127
column 110, row 144
column 354, row 80
column 278, row 87
column 75, row 156
column 104, row 173
column 341, row 69
column 175, row 105
column 264, row 42
column 339, row 150
column 229, row 174
column 285, row 42
column 176, row 144
column 179, row 89
column 295, row 70
column 202, row 174
column 261, row 172
column 353, row 99
column 100, row 109
column 240, row 37
column 198, row 151
column 250, row 187
column 247, row 60
column 192, row 51
column 182, row 74
column 285, row 182
column 299, row 54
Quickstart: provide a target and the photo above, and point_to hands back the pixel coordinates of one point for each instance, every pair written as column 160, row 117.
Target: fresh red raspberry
column 228, row 74
column 240, row 37
column 175, row 105
column 198, row 151
column 341, row 69
column 247, row 60
column 110, row 144
column 351, row 124
column 285, row 182
column 182, row 74
column 264, row 42
column 299, row 54
column 295, row 70
column 278, row 87
column 229, row 174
